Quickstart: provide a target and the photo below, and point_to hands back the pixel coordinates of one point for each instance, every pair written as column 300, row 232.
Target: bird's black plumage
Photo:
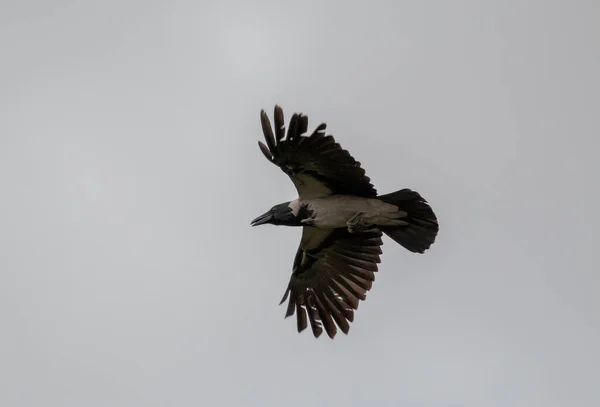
column 335, row 266
column 315, row 160
column 332, row 271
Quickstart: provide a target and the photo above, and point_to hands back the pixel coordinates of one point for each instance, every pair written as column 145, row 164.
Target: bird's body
column 336, row 211
column 342, row 219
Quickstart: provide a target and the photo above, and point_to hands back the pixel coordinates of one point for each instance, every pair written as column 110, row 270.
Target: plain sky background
column 129, row 173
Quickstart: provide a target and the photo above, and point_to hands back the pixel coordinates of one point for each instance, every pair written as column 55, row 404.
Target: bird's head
column 281, row 214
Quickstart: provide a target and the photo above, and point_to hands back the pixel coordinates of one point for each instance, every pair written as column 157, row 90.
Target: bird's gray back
column 335, row 210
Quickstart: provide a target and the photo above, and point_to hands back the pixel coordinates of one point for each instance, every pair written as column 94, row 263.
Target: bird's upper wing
column 332, row 271
column 317, row 164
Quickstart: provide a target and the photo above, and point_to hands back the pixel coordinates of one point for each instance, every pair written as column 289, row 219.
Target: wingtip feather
column 301, row 318
column 265, row 150
column 267, row 130
column 279, row 123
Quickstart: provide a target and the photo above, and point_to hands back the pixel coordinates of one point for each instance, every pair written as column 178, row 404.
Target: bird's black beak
column 262, row 219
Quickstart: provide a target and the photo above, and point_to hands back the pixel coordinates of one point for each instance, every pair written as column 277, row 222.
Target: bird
column 343, row 220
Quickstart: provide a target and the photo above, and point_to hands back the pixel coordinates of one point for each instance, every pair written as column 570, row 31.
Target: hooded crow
column 342, row 219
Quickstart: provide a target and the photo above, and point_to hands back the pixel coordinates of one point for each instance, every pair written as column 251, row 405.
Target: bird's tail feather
column 422, row 225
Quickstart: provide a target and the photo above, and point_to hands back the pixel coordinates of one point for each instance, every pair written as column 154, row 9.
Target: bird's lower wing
column 333, row 270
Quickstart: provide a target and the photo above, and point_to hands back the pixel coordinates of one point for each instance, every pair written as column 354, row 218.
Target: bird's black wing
column 317, row 165
column 332, row 271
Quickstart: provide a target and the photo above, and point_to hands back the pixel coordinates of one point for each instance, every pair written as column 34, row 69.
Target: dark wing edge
column 315, row 158
column 330, row 280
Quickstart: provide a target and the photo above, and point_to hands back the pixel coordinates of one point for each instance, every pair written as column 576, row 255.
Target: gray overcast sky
column 129, row 173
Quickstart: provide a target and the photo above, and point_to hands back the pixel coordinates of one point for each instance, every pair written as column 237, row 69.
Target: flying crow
column 342, row 220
